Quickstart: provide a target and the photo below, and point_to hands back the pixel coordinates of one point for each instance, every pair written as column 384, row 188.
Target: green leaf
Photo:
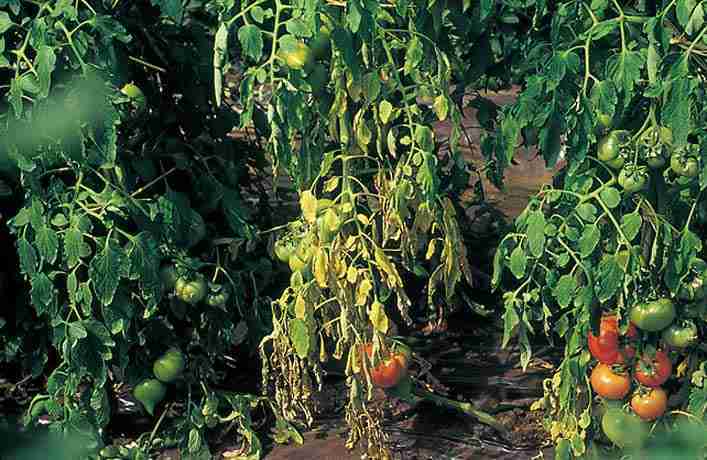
column 299, row 335
column 587, row 212
column 47, row 243
column 170, row 8
column 677, row 109
column 604, row 97
column 44, row 62
column 518, row 262
column 42, row 293
column 73, row 245
column 251, row 40
column 564, row 290
column 608, row 277
column 413, row 55
column 611, row 197
column 144, row 266
column 589, row 240
column 536, row 233
column 104, row 273
column 5, row 22
column 385, row 109
column 510, row 319
column 28, row 257
column 625, row 69
column 631, row 225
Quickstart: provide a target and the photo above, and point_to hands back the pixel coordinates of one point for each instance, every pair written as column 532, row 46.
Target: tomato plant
column 564, row 261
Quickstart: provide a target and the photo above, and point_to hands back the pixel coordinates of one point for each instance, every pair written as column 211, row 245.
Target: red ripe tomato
column 653, row 370
column 606, row 348
column 650, row 405
column 609, row 384
column 390, row 370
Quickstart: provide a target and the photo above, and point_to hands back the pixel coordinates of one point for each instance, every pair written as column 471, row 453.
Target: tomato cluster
column 620, row 364
column 621, row 151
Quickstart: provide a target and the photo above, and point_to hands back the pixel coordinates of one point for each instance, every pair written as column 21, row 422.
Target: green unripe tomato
column 632, row 180
column 617, row 163
column 623, row 429
column 150, row 392
column 218, row 296
column 610, row 145
column 653, row 316
column 191, row 291
column 170, row 366
column 684, row 166
column 681, row 335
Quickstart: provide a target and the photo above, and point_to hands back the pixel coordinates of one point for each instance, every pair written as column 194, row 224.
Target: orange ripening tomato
column 653, row 370
column 609, row 384
column 606, row 348
column 650, row 405
column 390, row 370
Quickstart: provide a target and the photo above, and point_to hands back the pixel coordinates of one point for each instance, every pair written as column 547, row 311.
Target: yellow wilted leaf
column 431, row 248
column 378, row 317
column 362, row 291
column 363, row 219
column 331, row 184
column 308, row 203
column 352, row 275
column 321, row 267
column 300, row 307
column 388, row 268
